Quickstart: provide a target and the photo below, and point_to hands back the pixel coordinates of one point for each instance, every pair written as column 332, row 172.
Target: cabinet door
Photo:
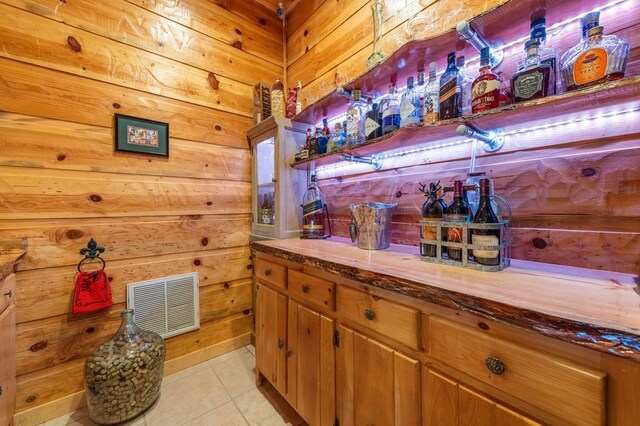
column 448, row 403
column 7, row 365
column 375, row 385
column 311, row 365
column 271, row 329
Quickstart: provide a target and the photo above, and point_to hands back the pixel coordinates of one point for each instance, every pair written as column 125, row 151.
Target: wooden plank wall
column 66, row 67
column 575, row 192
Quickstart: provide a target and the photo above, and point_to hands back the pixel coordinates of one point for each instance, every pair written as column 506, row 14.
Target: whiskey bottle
column 312, row 212
column 601, row 58
column 432, row 210
column 432, row 97
column 421, row 88
column 458, row 211
column 547, row 55
column 534, row 80
column 372, row 128
column 391, row 111
column 588, row 21
column 450, row 90
column 485, row 214
column 277, row 99
column 355, row 120
column 466, row 83
column 410, row 105
column 486, row 88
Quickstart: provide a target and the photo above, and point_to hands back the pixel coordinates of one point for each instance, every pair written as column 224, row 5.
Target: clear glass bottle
column 602, row 58
column 486, row 214
column 122, row 376
column 486, row 88
column 548, row 55
column 355, row 120
column 410, row 105
column 451, row 90
column 391, row 112
column 277, row 99
column 420, row 89
column 588, row 21
column 372, row 128
column 466, row 85
column 312, row 211
column 432, row 97
column 534, row 80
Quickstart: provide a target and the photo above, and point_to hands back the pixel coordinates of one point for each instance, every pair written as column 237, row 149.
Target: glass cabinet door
column 265, row 184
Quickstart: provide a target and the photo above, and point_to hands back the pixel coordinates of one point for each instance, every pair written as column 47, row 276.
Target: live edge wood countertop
column 592, row 308
column 8, row 260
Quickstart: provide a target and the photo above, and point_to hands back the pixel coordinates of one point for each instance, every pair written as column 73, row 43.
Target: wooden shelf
column 600, row 97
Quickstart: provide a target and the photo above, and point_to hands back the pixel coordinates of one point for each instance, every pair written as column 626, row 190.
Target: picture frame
column 141, row 135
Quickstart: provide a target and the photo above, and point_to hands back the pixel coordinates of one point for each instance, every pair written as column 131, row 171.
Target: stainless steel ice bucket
column 371, row 225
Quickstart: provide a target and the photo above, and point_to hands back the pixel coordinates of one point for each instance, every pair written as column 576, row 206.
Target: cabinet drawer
column 568, row 390
column 7, row 291
column 271, row 273
column 312, row 289
column 392, row 319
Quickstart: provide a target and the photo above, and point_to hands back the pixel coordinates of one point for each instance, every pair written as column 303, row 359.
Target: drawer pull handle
column 369, row 314
column 267, row 272
column 495, row 365
column 305, row 288
column 280, row 344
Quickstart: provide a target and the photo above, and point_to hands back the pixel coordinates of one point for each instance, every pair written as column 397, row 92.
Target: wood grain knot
column 61, row 157
column 483, row 326
column 226, row 286
column 31, row 399
column 539, row 243
column 246, row 311
column 73, row 234
column 218, row 127
column 38, row 346
column 90, row 330
column 262, row 21
column 238, row 31
column 399, row 193
column 74, row 44
column 197, row 262
column 250, row 266
column 306, row 33
column 213, row 81
column 95, row 198
column 237, row 44
column 204, row 241
column 588, row 172
column 115, row 105
column 209, row 203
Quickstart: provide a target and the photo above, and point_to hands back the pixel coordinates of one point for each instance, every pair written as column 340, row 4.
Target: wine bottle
column 458, row 211
column 431, row 210
column 485, row 214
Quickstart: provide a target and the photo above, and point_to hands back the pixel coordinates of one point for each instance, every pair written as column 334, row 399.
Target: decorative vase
column 377, row 9
column 122, row 377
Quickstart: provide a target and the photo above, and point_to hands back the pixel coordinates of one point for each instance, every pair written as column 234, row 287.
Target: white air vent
column 168, row 306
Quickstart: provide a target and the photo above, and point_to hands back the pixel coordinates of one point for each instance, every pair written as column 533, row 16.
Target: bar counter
column 592, row 308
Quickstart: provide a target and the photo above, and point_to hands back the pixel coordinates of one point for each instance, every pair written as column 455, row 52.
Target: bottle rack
column 467, row 261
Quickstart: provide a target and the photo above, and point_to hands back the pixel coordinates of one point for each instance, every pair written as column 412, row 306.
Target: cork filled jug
column 122, row 377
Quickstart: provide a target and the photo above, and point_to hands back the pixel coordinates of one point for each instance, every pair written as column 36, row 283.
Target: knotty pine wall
column 190, row 63
column 575, row 194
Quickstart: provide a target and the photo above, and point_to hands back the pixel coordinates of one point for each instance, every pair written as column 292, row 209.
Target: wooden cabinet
column 271, row 331
column 375, row 385
column 448, row 403
column 7, row 350
column 311, row 364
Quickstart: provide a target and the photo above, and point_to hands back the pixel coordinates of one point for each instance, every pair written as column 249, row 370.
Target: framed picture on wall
column 141, row 135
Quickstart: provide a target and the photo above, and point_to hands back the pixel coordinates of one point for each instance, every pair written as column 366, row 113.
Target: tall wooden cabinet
column 7, row 349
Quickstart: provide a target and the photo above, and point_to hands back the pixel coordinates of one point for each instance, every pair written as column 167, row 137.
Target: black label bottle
column 534, row 80
column 458, row 211
column 312, row 212
column 485, row 214
column 450, row 90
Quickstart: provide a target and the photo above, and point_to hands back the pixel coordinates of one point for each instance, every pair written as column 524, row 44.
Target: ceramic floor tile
column 187, row 398
column 237, row 374
column 203, row 366
column 225, row 415
column 257, row 410
column 81, row 418
column 226, row 357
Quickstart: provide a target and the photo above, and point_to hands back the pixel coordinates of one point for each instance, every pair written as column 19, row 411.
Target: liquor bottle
column 391, row 112
column 410, row 105
column 304, row 149
column 458, row 211
column 325, row 127
column 431, row 210
column 534, row 80
column 299, row 98
column 312, row 211
column 547, row 55
column 312, row 145
column 485, row 214
column 265, row 211
column 450, row 90
column 486, row 88
column 334, row 140
column 372, row 128
column 277, row 99
column 588, row 21
column 420, row 89
column 321, row 140
column 432, row 97
column 601, row 58
column 355, row 120
column 466, row 84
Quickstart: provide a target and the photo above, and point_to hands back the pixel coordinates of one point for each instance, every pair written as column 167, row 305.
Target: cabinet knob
column 305, row 288
column 9, row 293
column 267, row 272
column 280, row 344
column 495, row 365
column 369, row 314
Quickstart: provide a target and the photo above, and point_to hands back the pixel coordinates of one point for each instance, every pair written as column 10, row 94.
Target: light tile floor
column 218, row 392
